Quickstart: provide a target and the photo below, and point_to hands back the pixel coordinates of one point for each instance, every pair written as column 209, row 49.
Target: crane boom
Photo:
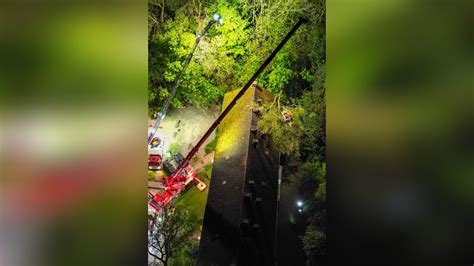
column 164, row 109
column 237, row 97
column 163, row 199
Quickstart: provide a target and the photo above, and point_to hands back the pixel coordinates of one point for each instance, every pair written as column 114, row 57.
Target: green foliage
column 311, row 176
column 211, row 146
column 314, row 241
column 174, row 226
column 285, row 135
column 151, row 175
column 216, row 61
column 187, row 255
column 280, row 74
column 195, row 201
column 174, row 148
column 208, row 168
column 314, row 120
column 320, row 194
column 230, row 53
column 202, row 175
column 312, row 185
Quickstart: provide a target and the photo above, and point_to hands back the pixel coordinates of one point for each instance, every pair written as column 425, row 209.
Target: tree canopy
column 171, row 233
column 226, row 58
column 231, row 52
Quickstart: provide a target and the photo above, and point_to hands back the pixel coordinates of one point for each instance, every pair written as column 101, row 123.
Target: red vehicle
column 173, row 187
column 154, row 162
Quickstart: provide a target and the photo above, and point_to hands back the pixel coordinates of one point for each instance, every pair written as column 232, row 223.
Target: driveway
column 193, row 124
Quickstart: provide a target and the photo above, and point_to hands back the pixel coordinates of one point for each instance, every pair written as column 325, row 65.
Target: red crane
column 184, row 173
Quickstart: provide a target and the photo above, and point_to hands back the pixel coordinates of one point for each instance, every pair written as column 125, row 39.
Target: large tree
column 170, row 231
column 285, row 133
column 230, row 53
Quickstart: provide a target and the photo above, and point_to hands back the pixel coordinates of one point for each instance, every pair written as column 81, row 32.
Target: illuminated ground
column 194, row 122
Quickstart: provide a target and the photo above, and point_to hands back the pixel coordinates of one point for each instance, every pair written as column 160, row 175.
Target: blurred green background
column 73, row 134
column 399, row 131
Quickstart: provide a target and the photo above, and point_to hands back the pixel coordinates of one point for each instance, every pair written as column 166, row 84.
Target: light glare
column 299, row 203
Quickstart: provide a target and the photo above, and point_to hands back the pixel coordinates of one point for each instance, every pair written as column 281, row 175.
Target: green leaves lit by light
column 285, row 135
column 231, row 51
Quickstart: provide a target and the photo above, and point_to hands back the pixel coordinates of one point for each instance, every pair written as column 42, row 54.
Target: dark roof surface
column 238, row 227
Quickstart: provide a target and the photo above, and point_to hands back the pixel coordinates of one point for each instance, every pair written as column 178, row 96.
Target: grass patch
column 211, row 146
column 203, row 175
column 208, row 169
column 151, row 175
column 195, row 201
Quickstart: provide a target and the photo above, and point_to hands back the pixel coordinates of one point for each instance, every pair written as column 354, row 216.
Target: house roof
column 236, row 162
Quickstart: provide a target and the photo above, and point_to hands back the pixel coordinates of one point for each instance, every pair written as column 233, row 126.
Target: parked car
column 154, row 162
column 172, row 165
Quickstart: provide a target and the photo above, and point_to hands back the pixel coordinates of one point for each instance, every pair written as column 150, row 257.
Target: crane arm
column 164, row 109
column 237, row 97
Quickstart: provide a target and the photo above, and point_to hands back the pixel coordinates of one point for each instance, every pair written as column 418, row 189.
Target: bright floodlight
column 217, row 18
column 299, row 203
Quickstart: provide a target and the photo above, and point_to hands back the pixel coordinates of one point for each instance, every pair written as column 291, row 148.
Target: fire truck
column 155, row 159
column 155, row 152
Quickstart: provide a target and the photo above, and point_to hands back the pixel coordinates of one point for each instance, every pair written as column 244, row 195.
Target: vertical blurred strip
column 73, row 106
column 400, row 132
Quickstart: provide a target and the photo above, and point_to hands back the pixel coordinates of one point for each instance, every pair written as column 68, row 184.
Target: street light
column 299, row 203
column 216, row 18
